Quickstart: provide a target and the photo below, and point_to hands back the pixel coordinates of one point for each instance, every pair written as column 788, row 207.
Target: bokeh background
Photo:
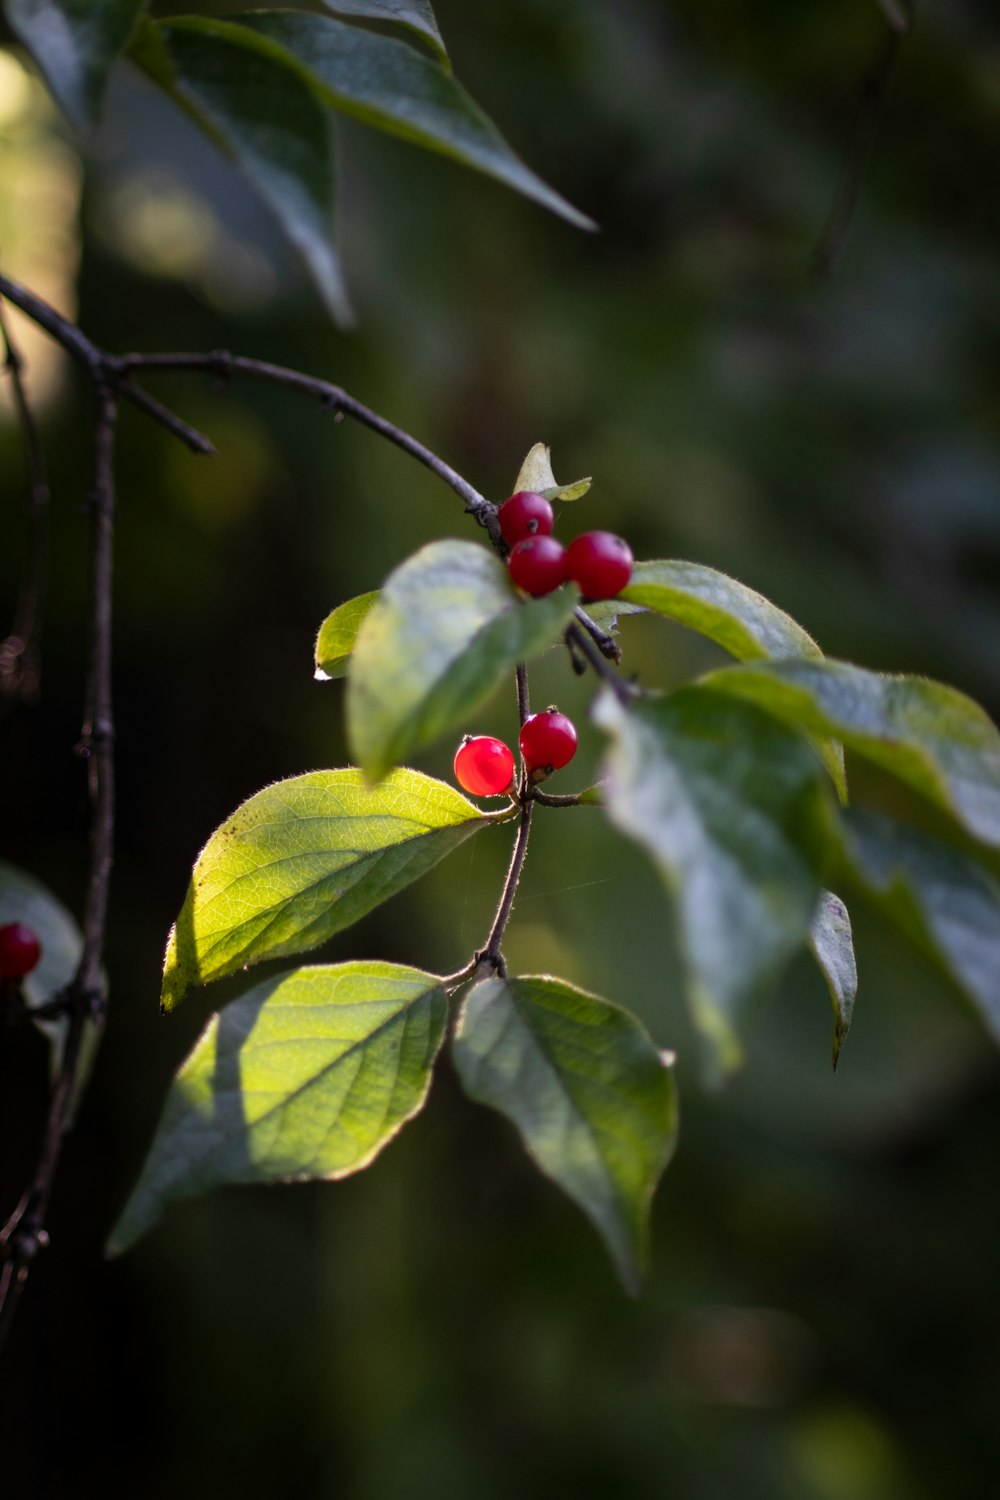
column 822, row 1319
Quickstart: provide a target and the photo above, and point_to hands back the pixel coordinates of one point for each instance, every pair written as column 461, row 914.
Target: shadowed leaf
column 76, row 43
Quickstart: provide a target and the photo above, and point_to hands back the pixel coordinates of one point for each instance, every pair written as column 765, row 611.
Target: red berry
column 538, row 565
column 20, row 951
column 600, row 563
column 547, row 739
column 525, row 514
column 484, row 766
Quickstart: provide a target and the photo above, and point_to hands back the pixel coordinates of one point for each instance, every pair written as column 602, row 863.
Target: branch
column 105, row 370
column 333, row 398
column 19, row 665
column 578, row 641
column 491, row 956
column 24, row 1234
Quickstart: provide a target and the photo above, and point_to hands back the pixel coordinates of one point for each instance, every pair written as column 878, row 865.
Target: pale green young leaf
column 733, row 810
column 76, row 43
column 308, row 1075
column 946, row 903
column 832, row 943
column 445, row 630
column 393, row 87
column 930, row 736
column 255, row 103
column 303, row 859
column 536, row 474
column 591, row 1096
column 338, row 634
column 417, row 16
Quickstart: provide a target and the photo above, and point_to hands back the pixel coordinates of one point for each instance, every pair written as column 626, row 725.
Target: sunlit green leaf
column 832, row 943
column 338, row 634
column 416, row 15
column 732, row 807
column 445, row 630
column 928, row 735
column 392, row 86
column 76, row 44
column 943, row 901
column 536, row 474
column 303, row 859
column 256, row 104
column 592, row 1097
column 737, row 618
column 308, row 1075
column 25, row 899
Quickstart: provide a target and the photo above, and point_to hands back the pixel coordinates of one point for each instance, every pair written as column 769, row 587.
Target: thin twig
column 333, row 398
column 578, row 641
column 491, row 956
column 871, row 107
column 104, row 369
column 24, row 1234
column 19, row 656
column 605, row 643
column 561, row 799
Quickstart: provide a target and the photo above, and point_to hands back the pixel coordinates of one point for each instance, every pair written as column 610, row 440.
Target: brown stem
column 490, row 954
column 24, row 1233
column 579, row 641
column 19, row 664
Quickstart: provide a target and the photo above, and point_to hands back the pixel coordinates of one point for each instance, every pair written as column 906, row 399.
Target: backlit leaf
column 832, row 944
column 390, row 85
column 928, row 735
column 445, row 630
column 732, row 808
column 942, row 900
column 536, row 474
column 303, row 859
column 338, row 634
column 257, row 105
column 308, row 1075
column 592, row 1097
column 76, row 44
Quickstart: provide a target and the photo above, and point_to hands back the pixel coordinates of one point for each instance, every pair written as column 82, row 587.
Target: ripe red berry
column 547, row 739
column 484, row 766
column 525, row 514
column 20, row 950
column 600, row 563
column 538, row 565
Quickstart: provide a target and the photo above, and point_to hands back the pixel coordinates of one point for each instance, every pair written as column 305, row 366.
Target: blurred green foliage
column 822, row 1320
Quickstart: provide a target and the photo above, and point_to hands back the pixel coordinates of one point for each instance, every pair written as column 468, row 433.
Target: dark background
column 821, row 1320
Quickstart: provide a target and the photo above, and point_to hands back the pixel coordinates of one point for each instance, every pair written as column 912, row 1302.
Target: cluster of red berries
column 598, row 562
column 484, row 766
column 20, row 951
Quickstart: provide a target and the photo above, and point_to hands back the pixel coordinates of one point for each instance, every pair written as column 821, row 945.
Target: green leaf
column 391, row 86
column 592, row 1097
column 733, row 809
column 928, row 735
column 308, row 1075
column 434, row 646
column 536, row 474
column 940, row 898
column 303, row 859
column 76, row 43
column 256, row 104
column 416, row 15
column 607, row 612
column 338, row 634
column 832, row 944
column 737, row 618
column 25, row 899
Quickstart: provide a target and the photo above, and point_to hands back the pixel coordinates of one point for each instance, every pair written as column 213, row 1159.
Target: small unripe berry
column 547, row 740
column 538, row 565
column 20, row 951
column 600, row 563
column 484, row 766
column 525, row 514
